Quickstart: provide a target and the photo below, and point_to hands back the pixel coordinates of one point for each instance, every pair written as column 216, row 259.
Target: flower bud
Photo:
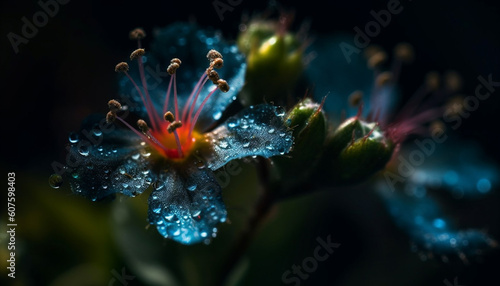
column 309, row 131
column 356, row 150
column 274, row 63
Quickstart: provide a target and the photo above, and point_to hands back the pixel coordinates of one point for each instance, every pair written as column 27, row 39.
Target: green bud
column 308, row 122
column 274, row 63
column 356, row 150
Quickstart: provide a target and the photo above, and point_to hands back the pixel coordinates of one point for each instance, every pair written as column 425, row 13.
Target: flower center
column 171, row 134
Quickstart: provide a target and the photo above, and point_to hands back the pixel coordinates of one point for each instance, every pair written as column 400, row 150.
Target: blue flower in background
column 178, row 142
column 416, row 172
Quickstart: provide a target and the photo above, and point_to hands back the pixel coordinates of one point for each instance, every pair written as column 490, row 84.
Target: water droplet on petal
column 97, row 132
column 55, row 181
column 246, row 143
column 224, row 144
column 217, row 115
column 73, row 138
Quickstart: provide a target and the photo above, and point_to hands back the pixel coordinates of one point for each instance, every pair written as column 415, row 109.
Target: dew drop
column 224, row 144
column 246, row 143
column 73, row 138
column 192, row 187
column 55, row 181
column 217, row 115
column 97, row 132
column 271, row 131
column 269, row 145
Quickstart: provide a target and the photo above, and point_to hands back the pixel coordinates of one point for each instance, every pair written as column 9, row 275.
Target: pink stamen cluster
column 168, row 128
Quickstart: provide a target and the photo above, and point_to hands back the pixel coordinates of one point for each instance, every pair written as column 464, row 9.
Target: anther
column 383, row 79
column 453, row 81
column 173, row 126
column 355, row 98
column 371, row 50
column 121, row 67
column 172, row 68
column 143, row 126
column 137, row 53
column 432, row 80
column 377, row 59
column 169, row 116
column 114, row 105
column 110, row 117
column 213, row 75
column 404, row 52
column 223, row 86
column 217, row 63
column 176, row 61
column 137, row 34
column 213, row 54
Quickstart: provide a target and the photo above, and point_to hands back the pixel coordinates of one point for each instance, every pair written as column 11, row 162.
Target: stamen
column 213, row 54
column 110, row 117
column 383, row 79
column 114, row 105
column 137, row 34
column 169, row 117
column 217, row 63
column 143, row 126
column 137, row 54
column 222, row 85
column 172, row 128
column 196, row 90
column 172, row 68
column 377, row 59
column 355, row 98
column 198, row 112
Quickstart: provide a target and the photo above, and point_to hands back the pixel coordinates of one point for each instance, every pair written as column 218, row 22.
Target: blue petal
column 430, row 229
column 186, row 205
column 256, row 131
column 190, row 44
column 337, row 74
column 117, row 163
column 462, row 169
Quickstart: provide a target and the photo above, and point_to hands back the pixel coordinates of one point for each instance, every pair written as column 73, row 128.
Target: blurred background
column 65, row 72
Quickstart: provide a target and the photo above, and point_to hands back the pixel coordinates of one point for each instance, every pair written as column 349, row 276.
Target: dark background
column 66, row 72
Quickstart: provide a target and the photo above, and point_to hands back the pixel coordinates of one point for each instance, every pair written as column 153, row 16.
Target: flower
column 412, row 173
column 178, row 142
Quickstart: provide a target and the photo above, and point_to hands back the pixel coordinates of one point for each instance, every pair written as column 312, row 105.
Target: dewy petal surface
column 186, row 205
column 256, row 131
column 429, row 228
column 119, row 164
column 190, row 44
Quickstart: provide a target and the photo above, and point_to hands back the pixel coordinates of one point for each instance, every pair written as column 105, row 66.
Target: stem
column 264, row 204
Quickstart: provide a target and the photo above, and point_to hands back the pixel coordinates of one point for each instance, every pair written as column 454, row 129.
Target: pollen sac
column 356, row 150
column 275, row 63
column 308, row 123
